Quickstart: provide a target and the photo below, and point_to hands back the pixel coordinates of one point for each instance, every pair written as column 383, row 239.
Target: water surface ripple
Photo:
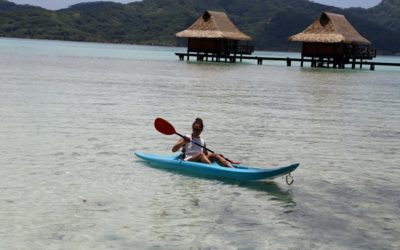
column 71, row 115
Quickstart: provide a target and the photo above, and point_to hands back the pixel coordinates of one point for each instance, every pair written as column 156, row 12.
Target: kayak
column 240, row 172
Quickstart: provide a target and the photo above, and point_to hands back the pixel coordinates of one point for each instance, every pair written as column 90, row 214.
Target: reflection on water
column 267, row 186
column 270, row 187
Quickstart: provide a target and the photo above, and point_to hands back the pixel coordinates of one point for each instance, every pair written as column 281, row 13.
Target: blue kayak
column 173, row 162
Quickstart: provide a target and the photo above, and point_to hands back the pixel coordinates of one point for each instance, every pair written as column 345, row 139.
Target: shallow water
column 71, row 115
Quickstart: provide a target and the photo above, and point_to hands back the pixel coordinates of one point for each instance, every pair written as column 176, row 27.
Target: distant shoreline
column 160, row 45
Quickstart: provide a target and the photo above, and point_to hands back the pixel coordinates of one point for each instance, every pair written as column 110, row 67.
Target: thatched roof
column 214, row 25
column 330, row 28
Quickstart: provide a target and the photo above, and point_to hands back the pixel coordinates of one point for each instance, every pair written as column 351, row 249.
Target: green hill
column 156, row 21
column 387, row 14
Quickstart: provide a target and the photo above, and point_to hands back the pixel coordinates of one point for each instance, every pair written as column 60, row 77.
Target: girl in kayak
column 193, row 152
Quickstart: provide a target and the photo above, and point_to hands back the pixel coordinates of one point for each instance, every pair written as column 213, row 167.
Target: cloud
column 350, row 3
column 60, row 4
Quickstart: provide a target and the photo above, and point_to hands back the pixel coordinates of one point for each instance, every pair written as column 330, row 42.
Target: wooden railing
column 361, row 53
column 244, row 49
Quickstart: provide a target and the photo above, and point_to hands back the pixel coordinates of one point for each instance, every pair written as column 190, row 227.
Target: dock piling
column 315, row 62
column 372, row 66
column 288, row 62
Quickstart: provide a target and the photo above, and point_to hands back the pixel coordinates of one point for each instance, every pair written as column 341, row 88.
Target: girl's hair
column 198, row 121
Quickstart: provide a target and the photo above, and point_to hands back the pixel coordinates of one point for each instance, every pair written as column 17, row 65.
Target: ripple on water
column 68, row 178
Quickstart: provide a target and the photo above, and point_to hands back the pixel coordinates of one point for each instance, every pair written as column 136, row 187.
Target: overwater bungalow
column 332, row 39
column 214, row 34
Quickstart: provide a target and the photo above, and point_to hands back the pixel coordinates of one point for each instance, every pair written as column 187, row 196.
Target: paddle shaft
column 209, row 150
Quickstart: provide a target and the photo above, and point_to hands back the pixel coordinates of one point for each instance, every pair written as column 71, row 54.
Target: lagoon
column 71, row 114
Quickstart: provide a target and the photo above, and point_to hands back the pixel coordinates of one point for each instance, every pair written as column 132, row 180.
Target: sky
column 350, row 3
column 59, row 4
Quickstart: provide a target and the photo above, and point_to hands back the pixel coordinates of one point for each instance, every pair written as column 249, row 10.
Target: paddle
column 166, row 128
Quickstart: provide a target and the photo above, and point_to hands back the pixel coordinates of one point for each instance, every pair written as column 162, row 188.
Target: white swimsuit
column 192, row 150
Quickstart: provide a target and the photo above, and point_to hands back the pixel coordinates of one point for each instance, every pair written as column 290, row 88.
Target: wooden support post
column 372, row 66
column 353, row 66
column 320, row 62
column 302, row 61
column 259, row 61
column 288, row 62
column 361, row 63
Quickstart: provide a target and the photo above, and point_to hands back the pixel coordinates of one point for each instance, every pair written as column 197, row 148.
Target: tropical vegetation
column 155, row 22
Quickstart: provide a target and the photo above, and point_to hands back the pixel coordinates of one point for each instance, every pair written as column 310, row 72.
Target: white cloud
column 350, row 3
column 60, row 4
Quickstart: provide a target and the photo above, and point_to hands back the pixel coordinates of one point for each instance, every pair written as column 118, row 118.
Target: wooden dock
column 315, row 62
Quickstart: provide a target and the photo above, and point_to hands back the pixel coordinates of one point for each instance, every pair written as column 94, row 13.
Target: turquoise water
column 72, row 114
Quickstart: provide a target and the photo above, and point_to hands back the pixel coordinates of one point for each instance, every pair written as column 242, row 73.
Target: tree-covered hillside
column 156, row 21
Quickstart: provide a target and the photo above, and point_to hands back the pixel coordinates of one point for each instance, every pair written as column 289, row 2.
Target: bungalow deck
column 315, row 62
